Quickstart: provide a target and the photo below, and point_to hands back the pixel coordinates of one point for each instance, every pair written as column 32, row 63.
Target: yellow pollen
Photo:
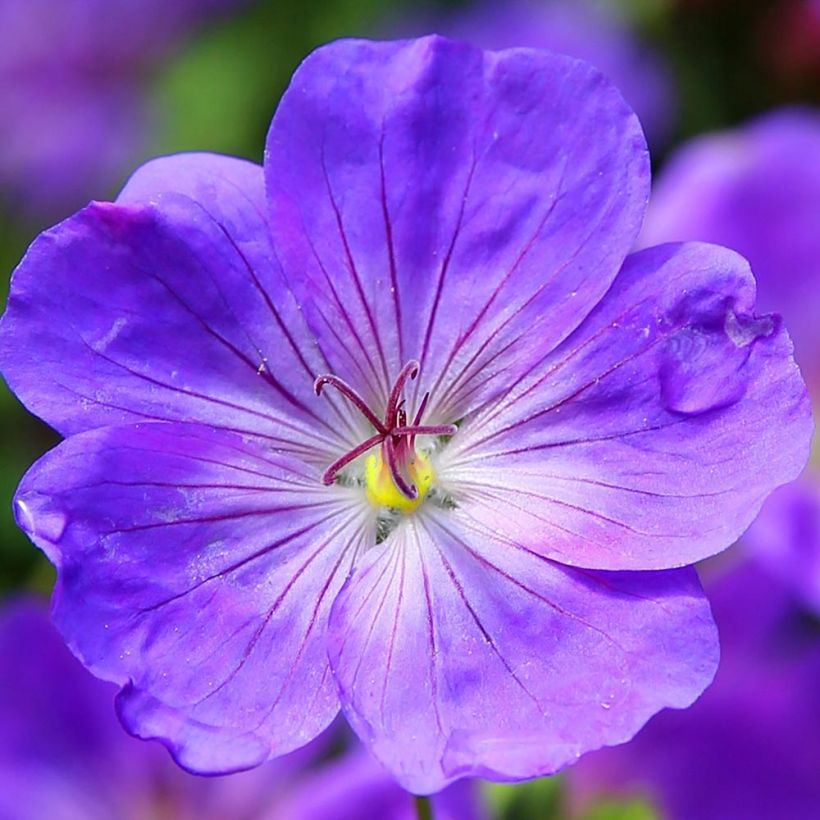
column 382, row 490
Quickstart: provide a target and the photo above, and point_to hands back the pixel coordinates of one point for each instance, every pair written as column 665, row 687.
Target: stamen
column 329, row 475
column 422, row 408
column 397, row 440
column 346, row 390
column 389, row 449
column 409, row 371
column 425, row 430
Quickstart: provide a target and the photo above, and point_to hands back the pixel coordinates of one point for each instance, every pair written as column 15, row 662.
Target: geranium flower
column 63, row 755
column 475, row 540
column 749, row 747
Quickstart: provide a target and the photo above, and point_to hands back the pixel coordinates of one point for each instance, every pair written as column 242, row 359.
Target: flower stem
column 423, row 808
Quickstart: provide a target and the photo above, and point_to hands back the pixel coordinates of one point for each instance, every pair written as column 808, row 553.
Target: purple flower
column 785, row 538
column 585, row 29
column 757, row 190
column 438, row 244
column 749, row 747
column 71, row 76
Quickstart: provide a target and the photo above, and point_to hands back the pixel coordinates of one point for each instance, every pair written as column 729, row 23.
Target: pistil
column 398, row 476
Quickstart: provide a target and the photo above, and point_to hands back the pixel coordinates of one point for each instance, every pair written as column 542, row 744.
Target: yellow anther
column 382, row 490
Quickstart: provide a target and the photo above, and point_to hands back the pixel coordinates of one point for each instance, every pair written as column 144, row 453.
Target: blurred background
column 728, row 92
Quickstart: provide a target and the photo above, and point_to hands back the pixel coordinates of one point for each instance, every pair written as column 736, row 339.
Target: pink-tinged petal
column 651, row 437
column 467, row 211
column 196, row 569
column 456, row 658
column 168, row 306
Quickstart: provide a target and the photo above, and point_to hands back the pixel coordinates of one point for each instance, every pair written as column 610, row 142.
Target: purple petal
column 467, row 211
column 172, row 311
column 786, row 538
column 650, row 438
column 356, row 787
column 585, row 29
column 755, row 189
column 749, row 747
column 456, row 658
column 197, row 568
column 63, row 753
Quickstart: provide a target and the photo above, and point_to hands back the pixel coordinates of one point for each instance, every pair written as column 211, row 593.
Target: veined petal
column 650, row 438
column 196, row 569
column 455, row 658
column 468, row 211
column 168, row 306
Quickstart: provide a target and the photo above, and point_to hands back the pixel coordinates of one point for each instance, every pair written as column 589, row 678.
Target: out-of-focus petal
column 65, row 139
column 586, row 29
column 786, row 538
column 650, row 438
column 356, row 787
column 468, row 211
column 63, row 753
column 757, row 190
column 171, row 310
column 456, row 658
column 196, row 570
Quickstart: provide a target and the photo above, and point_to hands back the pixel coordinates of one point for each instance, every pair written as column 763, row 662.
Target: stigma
column 397, row 476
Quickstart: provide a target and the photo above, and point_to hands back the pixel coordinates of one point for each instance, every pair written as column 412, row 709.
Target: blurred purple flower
column 757, row 190
column 749, row 747
column 426, row 211
column 785, row 538
column 64, row 755
column 71, row 92
column 585, row 29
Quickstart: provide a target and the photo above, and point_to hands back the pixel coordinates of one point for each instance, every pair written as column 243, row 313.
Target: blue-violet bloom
column 476, row 540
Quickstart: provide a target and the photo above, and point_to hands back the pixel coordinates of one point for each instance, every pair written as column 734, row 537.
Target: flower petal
column 171, row 310
column 650, row 438
column 749, row 747
column 755, row 189
column 431, row 201
column 455, row 658
column 196, row 570
column 63, row 752
column 355, row 787
column 785, row 538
